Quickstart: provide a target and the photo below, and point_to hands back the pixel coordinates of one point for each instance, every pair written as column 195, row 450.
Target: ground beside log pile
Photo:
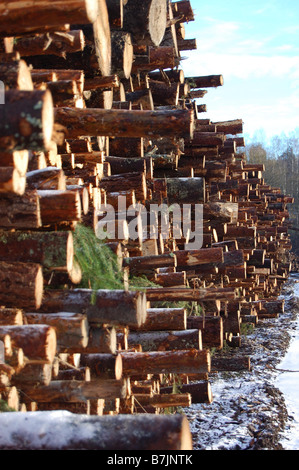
column 248, row 411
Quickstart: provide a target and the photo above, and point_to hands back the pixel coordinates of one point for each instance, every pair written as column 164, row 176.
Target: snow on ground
column 251, row 409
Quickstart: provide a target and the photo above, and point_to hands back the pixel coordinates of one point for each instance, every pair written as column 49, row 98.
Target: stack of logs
column 97, row 107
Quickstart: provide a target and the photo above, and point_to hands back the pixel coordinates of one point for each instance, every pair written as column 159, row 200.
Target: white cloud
column 241, row 66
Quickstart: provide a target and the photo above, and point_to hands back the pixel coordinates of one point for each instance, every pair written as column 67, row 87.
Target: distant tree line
column 280, row 155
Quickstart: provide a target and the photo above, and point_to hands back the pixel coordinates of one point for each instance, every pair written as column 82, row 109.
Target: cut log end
column 39, row 287
column 157, row 21
column 47, row 119
column 186, row 437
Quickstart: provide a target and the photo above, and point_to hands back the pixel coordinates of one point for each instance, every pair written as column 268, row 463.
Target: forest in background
column 280, row 155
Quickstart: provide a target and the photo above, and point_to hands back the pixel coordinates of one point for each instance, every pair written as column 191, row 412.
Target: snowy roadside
column 248, row 411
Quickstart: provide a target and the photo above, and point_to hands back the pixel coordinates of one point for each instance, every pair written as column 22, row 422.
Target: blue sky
column 255, row 46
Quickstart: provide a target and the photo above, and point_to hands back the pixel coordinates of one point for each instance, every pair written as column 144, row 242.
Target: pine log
column 103, row 365
column 80, row 373
column 71, row 328
column 146, row 263
column 46, row 178
column 59, row 206
column 21, row 284
column 106, row 82
column 75, row 408
column 26, row 120
column 198, row 257
column 18, row 160
column 126, row 181
column 166, row 340
column 164, row 319
column 205, row 81
column 164, row 94
column 201, row 392
column 57, row 43
column 122, row 432
column 77, row 390
column 145, row 20
column 164, row 400
column 53, row 250
column 211, row 329
column 207, row 139
column 123, row 123
column 132, row 147
column 230, row 127
column 16, row 75
column 100, row 340
column 64, row 92
column 11, row 316
column 112, row 307
column 183, row 11
column 33, row 374
column 154, row 294
column 187, row 44
column 171, row 279
column 37, row 341
column 33, row 16
column 12, row 181
column 235, row 363
column 172, row 75
column 50, row 75
column 120, row 165
column 157, row 362
column 141, row 98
